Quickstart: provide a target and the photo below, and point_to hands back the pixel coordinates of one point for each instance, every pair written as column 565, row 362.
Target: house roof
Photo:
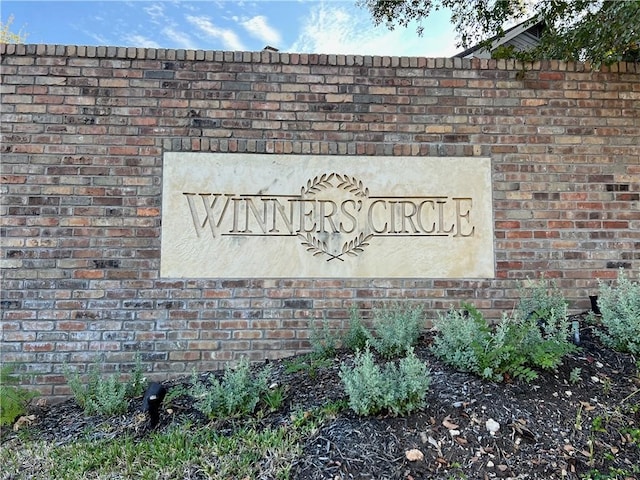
column 522, row 36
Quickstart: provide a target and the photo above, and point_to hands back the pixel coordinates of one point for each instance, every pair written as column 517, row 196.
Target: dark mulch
column 550, row 428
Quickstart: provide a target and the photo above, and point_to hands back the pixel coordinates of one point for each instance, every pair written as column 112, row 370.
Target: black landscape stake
column 152, row 400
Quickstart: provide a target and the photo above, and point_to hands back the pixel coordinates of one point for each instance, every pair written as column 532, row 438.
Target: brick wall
column 83, row 134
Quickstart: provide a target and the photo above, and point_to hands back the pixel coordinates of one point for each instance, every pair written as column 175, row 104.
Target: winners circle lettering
column 333, row 218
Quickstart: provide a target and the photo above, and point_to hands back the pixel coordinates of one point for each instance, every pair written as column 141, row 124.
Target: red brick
column 88, row 274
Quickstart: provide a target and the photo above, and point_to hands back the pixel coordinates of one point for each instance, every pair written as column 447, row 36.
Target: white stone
column 288, row 216
column 492, row 426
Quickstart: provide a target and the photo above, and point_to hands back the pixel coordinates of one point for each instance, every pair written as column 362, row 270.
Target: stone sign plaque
column 312, row 216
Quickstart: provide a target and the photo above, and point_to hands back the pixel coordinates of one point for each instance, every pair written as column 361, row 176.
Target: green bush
column 620, row 309
column 13, row 398
column 237, row 394
column 357, row 336
column 109, row 396
column 396, row 329
column 543, row 301
column 399, row 388
column 515, row 347
column 323, row 340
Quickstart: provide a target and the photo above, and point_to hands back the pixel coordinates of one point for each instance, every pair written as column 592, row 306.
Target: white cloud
column 259, row 28
column 228, row 37
column 100, row 39
column 342, row 30
column 141, row 41
column 156, row 12
column 179, row 39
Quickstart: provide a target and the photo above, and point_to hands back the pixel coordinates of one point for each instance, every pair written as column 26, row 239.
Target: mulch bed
column 551, row 428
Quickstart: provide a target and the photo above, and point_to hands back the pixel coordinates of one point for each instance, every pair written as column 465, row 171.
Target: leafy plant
column 309, row 363
column 274, row 397
column 575, row 375
column 237, row 394
column 323, row 340
column 396, row 329
column 173, row 393
column 515, row 347
column 13, row 398
column 105, row 396
column 399, row 388
column 543, row 301
column 620, row 309
column 357, row 336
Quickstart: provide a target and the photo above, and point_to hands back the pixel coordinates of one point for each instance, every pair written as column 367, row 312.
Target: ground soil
column 556, row 427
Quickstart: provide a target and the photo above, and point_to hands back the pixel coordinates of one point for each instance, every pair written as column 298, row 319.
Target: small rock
column 492, row 426
column 414, row 455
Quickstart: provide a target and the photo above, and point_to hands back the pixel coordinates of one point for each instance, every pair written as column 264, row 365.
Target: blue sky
column 300, row 26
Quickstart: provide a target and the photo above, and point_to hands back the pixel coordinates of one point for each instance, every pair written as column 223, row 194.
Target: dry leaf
column 414, row 455
column 25, row 420
column 587, row 406
column 436, row 444
column 520, row 428
column 449, row 424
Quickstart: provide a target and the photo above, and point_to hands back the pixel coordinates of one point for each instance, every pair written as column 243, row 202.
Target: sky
column 294, row 26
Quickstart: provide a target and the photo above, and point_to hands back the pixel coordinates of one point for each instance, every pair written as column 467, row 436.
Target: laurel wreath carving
column 352, row 247
column 356, row 245
column 318, row 247
column 351, row 185
column 345, row 182
column 317, row 184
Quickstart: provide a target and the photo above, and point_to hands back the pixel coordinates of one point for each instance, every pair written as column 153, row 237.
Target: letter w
column 209, row 215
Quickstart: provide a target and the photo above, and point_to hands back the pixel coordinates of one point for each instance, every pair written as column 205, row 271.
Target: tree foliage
column 599, row 31
column 7, row 35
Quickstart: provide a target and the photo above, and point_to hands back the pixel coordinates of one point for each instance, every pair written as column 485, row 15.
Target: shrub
column 323, row 341
column 620, row 309
column 357, row 336
column 108, row 396
column 461, row 337
column 237, row 394
column 397, row 329
column 515, row 346
column 544, row 302
column 13, row 398
column 399, row 388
